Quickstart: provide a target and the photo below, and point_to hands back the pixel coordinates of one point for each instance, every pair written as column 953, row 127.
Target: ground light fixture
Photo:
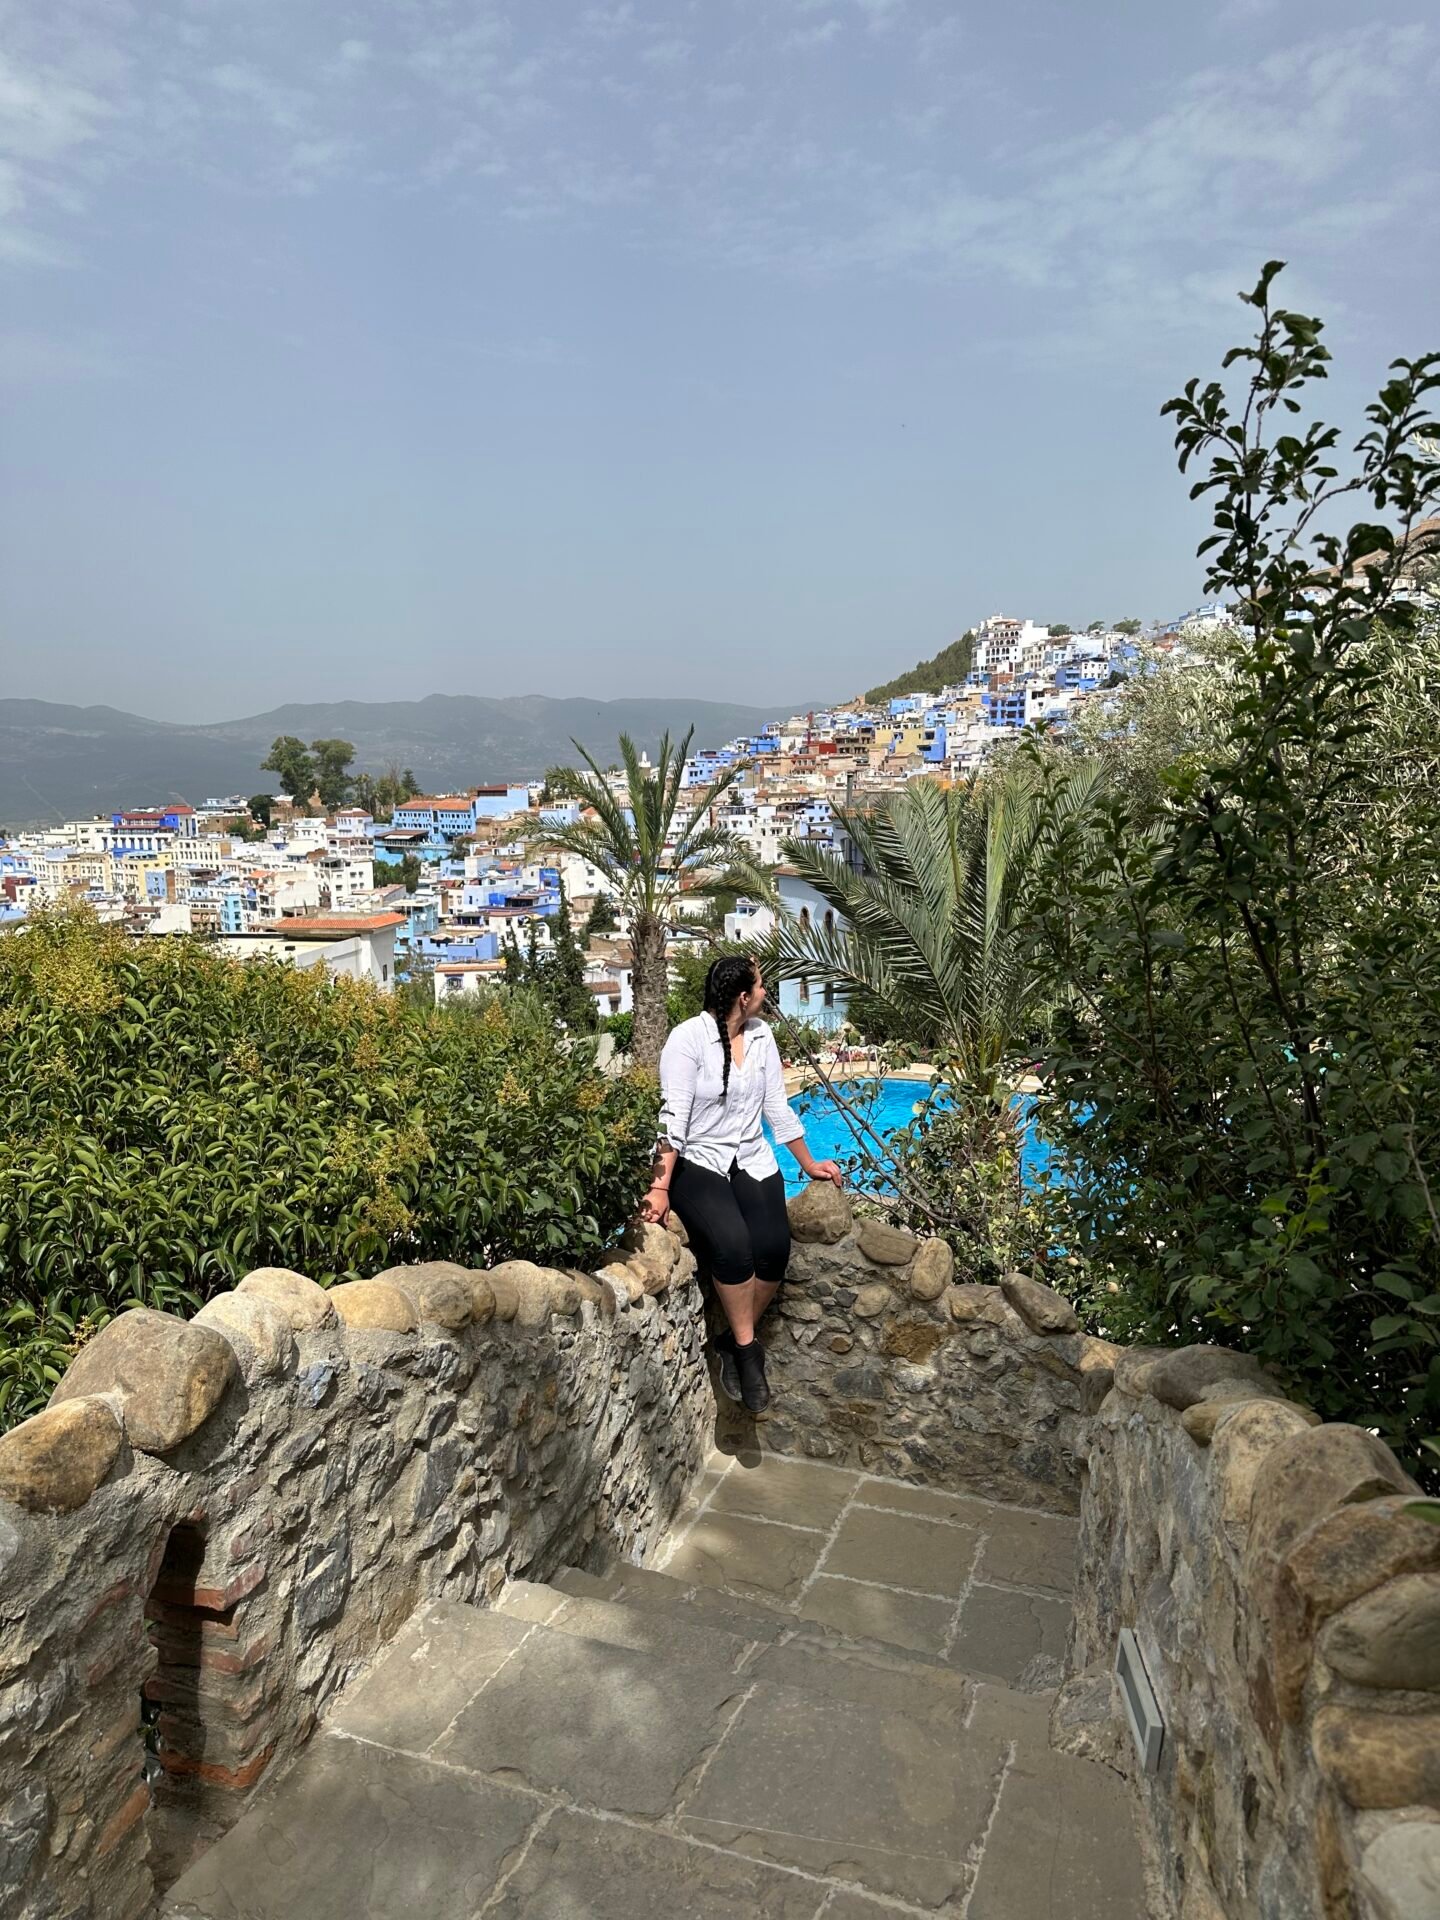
column 1142, row 1709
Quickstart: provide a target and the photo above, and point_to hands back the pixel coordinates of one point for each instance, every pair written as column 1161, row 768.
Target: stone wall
column 215, row 1522
column 877, row 1359
column 1288, row 1608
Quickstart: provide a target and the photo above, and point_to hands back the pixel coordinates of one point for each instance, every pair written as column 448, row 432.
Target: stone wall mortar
column 342, row 1475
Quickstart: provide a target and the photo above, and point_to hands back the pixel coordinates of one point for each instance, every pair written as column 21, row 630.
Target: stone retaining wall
column 1288, row 1608
column 877, row 1359
column 226, row 1516
column 222, row 1518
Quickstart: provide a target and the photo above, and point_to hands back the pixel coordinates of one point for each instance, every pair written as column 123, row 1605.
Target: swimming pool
column 890, row 1106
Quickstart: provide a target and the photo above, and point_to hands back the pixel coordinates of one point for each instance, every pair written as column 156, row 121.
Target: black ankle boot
column 724, row 1344
column 750, row 1365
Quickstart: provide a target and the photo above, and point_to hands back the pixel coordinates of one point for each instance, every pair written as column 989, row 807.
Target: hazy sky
column 743, row 348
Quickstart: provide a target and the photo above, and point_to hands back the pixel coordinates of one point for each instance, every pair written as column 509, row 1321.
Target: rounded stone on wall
column 171, row 1375
column 1379, row 1760
column 482, row 1299
column 970, row 1302
column 1217, row 1403
column 653, row 1243
column 1040, row 1307
column 539, row 1291
column 1181, row 1378
column 439, row 1290
column 932, row 1270
column 1400, row 1870
column 262, row 1326
column 1312, row 1472
column 503, row 1290
column 820, row 1211
column 374, row 1306
column 1391, row 1637
column 1242, row 1442
column 592, row 1290
column 887, row 1246
column 1133, row 1368
column 307, row 1303
column 620, row 1274
column 54, row 1461
column 1096, row 1364
column 1356, row 1549
column 872, row 1300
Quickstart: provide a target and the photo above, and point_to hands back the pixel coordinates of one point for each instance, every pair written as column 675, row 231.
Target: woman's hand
column 826, row 1170
column 656, row 1205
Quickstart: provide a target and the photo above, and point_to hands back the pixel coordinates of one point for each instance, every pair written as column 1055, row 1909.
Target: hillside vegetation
column 952, row 663
column 65, row 763
column 174, row 1120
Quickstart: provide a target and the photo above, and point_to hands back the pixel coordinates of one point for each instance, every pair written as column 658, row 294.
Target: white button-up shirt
column 711, row 1132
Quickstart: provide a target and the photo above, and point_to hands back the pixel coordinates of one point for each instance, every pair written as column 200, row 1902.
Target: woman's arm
column 656, row 1204
column 812, row 1168
column 785, row 1124
column 677, row 1097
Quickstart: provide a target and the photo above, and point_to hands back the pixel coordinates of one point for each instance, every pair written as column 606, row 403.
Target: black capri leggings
column 737, row 1225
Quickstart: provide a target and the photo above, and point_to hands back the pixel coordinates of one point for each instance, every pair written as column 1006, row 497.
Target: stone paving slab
column 1062, row 1846
column 797, row 1492
column 580, row 1868
column 931, row 1694
column 851, row 1792
column 1030, row 1550
column 437, row 1662
column 663, row 1636
column 1017, row 1637
column 968, row 1510
column 601, row 1725
column 879, row 1613
column 902, row 1550
column 755, row 1558
column 352, row 1832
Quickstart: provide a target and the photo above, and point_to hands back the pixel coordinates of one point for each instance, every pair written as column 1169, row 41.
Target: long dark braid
column 729, row 976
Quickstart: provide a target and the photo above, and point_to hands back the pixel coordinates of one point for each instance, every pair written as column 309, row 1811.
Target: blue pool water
column 891, row 1106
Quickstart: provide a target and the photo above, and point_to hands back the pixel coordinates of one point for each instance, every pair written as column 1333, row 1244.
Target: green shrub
column 174, row 1120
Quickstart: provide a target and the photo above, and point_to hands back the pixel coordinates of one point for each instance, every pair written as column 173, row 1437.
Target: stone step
column 976, row 1656
column 814, row 1661
column 488, row 1763
column 982, row 1588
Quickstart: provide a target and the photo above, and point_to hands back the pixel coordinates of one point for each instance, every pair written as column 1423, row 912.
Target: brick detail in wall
column 210, row 1679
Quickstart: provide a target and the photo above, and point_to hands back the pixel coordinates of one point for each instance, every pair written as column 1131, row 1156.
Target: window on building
column 829, row 993
column 804, row 988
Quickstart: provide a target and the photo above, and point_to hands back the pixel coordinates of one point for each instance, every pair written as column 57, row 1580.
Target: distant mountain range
column 65, row 763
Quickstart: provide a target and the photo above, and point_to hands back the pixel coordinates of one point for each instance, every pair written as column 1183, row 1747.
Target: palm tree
column 626, row 840
column 932, row 927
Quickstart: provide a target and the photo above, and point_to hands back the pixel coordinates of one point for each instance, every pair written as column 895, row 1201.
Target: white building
column 1004, row 644
column 347, row 946
column 461, row 979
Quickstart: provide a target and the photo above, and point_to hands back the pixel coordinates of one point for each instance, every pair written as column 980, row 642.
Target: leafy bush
column 1245, row 1077
column 174, row 1119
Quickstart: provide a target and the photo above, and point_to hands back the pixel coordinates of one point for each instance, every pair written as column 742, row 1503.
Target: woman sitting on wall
column 720, row 1075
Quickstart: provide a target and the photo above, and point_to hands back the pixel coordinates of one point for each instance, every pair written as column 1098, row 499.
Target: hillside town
column 441, row 891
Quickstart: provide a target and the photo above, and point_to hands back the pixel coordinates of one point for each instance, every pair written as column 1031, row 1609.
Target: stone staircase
column 828, row 1701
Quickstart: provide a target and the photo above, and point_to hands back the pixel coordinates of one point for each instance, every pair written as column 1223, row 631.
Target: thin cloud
column 818, row 36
